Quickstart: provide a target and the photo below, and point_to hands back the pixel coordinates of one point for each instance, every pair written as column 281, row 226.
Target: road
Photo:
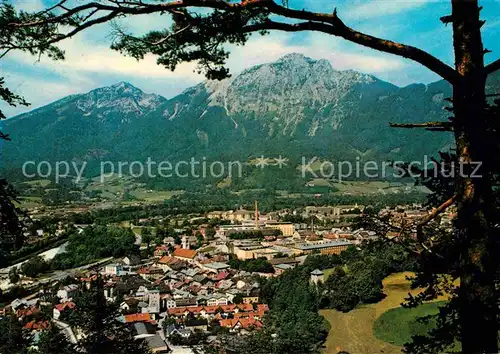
column 66, row 328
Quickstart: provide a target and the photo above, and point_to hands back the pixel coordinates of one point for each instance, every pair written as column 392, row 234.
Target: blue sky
column 91, row 64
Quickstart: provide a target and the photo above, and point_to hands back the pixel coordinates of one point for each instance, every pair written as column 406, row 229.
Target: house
column 252, row 297
column 176, row 330
column 112, row 269
column 61, row 308
column 129, row 304
column 109, row 291
column 194, row 324
column 160, row 251
column 190, row 272
column 144, row 330
column 236, row 324
column 186, row 302
column 36, row 326
column 131, row 260
column 217, row 300
column 137, row 317
column 216, row 266
column 185, row 254
column 66, row 293
column 18, row 303
column 23, row 312
column 167, row 301
column 281, row 268
column 150, row 273
column 156, row 344
column 167, row 263
column 200, row 278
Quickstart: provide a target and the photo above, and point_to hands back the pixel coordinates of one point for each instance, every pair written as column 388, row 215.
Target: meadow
column 382, row 327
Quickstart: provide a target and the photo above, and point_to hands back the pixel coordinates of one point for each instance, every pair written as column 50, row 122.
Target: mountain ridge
column 295, row 107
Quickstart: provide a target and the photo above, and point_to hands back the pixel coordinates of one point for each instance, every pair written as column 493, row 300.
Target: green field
column 149, row 195
column 354, row 331
column 39, row 182
column 398, row 325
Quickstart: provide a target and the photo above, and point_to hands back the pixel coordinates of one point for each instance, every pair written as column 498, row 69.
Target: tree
column 147, row 236
column 14, row 275
column 238, row 299
column 199, row 36
column 12, row 338
column 34, row 266
column 199, row 239
column 11, row 235
column 99, row 320
column 210, row 233
column 54, row 340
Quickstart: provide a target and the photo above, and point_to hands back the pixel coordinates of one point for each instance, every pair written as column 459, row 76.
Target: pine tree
column 54, row 341
column 99, row 322
column 13, row 340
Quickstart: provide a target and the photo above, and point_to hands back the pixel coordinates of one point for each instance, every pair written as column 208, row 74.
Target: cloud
column 380, row 8
column 90, row 63
column 84, row 57
column 37, row 92
column 270, row 48
column 29, row 5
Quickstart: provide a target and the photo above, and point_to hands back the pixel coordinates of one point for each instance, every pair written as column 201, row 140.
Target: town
column 199, row 281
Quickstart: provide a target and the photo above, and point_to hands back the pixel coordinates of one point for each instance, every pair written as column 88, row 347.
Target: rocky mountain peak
column 122, row 97
column 283, row 87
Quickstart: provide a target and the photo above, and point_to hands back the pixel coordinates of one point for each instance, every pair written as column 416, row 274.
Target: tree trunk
column 477, row 295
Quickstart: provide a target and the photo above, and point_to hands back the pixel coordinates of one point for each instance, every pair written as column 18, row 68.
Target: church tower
column 185, row 242
column 257, row 224
column 317, row 276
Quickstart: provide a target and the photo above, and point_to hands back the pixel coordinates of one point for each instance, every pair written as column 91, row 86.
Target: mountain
column 293, row 107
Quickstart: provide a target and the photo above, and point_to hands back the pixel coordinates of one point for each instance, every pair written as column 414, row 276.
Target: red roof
column 165, row 260
column 227, row 308
column 185, row 253
column 245, row 307
column 176, row 311
column 245, row 323
column 137, row 317
column 222, row 275
column 27, row 311
column 262, row 308
column 65, row 305
column 194, row 309
column 89, row 279
column 36, row 326
column 210, row 309
column 242, row 308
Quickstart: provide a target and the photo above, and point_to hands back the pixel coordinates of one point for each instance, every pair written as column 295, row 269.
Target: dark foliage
column 94, row 243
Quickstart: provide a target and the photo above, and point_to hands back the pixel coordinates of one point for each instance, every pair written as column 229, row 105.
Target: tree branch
column 323, row 22
column 491, row 68
column 341, row 30
column 441, row 126
column 432, row 215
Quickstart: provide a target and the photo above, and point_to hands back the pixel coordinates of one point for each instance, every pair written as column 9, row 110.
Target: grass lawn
column 39, row 182
column 207, row 249
column 154, row 196
column 354, row 331
column 398, row 325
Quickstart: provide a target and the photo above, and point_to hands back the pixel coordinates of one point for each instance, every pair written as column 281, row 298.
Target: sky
column 91, row 64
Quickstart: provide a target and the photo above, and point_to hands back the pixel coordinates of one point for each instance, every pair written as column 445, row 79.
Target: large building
column 287, row 228
column 328, row 247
